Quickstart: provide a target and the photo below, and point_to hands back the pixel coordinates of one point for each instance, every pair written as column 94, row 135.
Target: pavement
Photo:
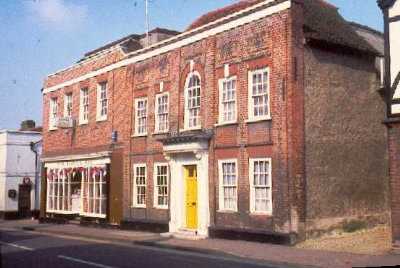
column 275, row 255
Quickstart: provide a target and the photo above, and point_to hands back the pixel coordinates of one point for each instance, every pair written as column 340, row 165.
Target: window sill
column 138, row 206
column 61, row 212
column 103, row 216
column 256, row 120
column 190, row 129
column 83, row 123
column 160, row 132
column 101, row 119
column 53, row 128
column 139, row 135
column 161, row 207
column 226, row 124
column 260, row 213
column 227, row 211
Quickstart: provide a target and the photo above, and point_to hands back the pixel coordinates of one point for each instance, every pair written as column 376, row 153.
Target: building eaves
column 33, row 132
column 371, row 36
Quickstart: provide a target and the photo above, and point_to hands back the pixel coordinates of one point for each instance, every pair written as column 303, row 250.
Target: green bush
column 354, row 225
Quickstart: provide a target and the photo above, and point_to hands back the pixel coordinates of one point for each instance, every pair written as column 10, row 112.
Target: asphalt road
column 26, row 249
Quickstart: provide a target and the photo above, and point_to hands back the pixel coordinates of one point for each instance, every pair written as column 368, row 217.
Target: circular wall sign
column 26, row 180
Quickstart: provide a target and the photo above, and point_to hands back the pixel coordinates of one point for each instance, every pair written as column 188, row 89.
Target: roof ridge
column 327, row 3
column 365, row 27
column 215, row 14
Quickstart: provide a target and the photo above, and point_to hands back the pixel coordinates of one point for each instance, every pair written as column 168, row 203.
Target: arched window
column 192, row 101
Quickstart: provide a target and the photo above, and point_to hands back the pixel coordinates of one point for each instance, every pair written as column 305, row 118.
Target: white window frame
column 251, row 116
column 157, row 115
column 135, row 185
column 84, row 102
column 89, row 186
column 186, row 115
column 100, row 100
column 221, row 196
column 137, row 133
column 221, row 119
column 252, row 188
column 68, row 105
column 61, row 202
column 53, row 111
column 155, row 183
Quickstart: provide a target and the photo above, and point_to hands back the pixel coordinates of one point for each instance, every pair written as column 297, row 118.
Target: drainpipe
column 34, row 150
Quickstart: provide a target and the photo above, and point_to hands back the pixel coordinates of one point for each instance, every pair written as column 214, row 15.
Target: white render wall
column 3, row 157
column 16, row 162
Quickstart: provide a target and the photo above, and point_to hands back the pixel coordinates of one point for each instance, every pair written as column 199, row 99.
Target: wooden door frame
column 25, row 213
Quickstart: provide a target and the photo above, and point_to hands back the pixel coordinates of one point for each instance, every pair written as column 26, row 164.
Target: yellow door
column 191, row 196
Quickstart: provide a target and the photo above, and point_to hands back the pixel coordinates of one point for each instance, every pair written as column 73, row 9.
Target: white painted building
column 19, row 173
column 391, row 11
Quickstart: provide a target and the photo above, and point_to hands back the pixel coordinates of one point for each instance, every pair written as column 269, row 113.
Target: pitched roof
column 322, row 22
column 373, row 37
column 128, row 43
column 163, row 31
column 221, row 12
column 111, row 44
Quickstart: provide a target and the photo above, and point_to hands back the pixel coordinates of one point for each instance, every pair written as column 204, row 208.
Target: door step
column 186, row 234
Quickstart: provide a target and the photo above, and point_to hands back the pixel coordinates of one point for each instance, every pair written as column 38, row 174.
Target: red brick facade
column 276, row 42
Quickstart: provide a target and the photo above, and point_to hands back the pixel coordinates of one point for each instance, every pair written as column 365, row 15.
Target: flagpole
column 147, row 22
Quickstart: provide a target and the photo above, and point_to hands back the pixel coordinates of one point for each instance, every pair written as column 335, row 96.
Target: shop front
column 77, row 188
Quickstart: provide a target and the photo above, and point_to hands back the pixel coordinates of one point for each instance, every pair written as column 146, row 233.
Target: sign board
column 12, row 194
column 65, row 122
column 26, row 180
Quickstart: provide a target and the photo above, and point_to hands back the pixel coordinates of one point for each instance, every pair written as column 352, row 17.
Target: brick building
column 261, row 119
column 391, row 12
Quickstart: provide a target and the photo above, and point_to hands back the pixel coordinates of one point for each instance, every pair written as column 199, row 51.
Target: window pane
column 261, row 185
column 162, row 185
column 193, row 101
column 141, row 116
column 103, row 100
column 229, row 185
column 140, row 186
column 228, row 100
column 260, row 93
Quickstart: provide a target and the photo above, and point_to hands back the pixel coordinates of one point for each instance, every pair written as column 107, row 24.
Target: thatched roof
column 322, row 22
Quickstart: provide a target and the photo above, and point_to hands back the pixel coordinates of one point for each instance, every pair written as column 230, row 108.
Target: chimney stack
column 27, row 125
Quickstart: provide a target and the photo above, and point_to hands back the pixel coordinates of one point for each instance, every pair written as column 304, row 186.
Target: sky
column 39, row 37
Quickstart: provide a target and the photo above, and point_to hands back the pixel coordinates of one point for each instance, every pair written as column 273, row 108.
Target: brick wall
column 346, row 141
column 394, row 148
column 338, row 154
column 84, row 67
column 256, row 45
